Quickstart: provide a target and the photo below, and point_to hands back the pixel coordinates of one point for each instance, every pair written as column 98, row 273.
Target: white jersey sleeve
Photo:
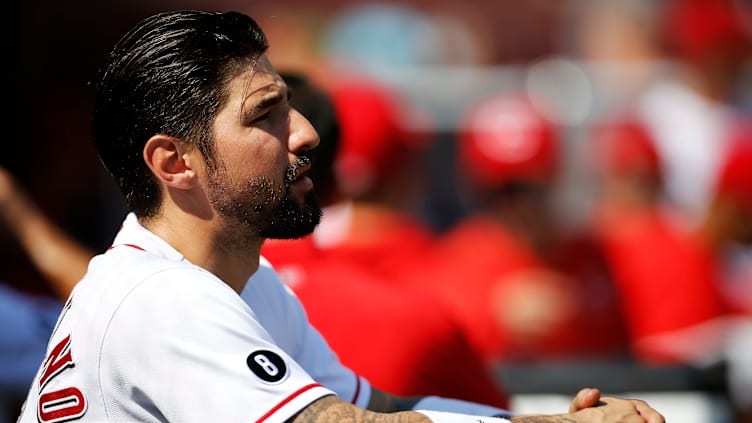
column 268, row 296
column 152, row 340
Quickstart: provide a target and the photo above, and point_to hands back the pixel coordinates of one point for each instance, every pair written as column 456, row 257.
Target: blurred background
column 673, row 79
column 580, row 61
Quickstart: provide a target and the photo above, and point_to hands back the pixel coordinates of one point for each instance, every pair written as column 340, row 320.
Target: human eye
column 260, row 119
column 266, row 110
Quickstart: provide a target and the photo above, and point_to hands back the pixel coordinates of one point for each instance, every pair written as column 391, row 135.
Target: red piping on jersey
column 357, row 390
column 126, row 245
column 287, row 400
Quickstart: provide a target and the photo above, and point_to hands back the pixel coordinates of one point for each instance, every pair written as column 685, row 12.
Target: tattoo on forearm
column 333, row 409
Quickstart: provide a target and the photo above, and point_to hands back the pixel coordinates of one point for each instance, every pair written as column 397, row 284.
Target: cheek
column 251, row 151
column 252, row 161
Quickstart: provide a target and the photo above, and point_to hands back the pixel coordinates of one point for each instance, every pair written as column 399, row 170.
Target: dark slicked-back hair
column 167, row 75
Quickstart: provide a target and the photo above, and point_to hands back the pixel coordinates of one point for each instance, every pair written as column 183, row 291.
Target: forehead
column 253, row 83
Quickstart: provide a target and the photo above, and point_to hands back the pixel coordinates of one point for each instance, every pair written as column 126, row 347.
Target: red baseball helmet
column 505, row 138
column 625, row 146
column 372, row 133
column 696, row 28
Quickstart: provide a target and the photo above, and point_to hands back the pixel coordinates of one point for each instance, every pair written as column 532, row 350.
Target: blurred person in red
column 692, row 109
column 659, row 180
column 652, row 258
column 372, row 183
column 670, row 278
column 358, row 247
column 728, row 225
column 378, row 172
column 521, row 290
column 731, row 224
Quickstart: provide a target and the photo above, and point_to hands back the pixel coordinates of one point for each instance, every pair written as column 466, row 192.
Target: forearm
column 562, row 418
column 333, row 409
column 62, row 260
column 57, row 256
column 392, row 409
column 383, row 402
column 388, row 403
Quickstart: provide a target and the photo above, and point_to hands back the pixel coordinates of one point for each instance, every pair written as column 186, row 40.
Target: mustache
column 292, row 169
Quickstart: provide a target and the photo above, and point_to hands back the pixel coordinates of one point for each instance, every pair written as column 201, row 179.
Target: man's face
column 261, row 143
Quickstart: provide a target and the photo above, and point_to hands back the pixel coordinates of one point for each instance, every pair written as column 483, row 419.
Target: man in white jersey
column 194, row 124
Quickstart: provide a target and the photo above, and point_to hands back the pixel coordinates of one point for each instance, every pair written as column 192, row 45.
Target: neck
column 209, row 243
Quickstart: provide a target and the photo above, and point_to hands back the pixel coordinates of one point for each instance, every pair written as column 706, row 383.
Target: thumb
column 587, row 397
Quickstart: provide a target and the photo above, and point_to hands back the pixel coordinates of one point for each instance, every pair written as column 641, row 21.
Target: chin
column 293, row 220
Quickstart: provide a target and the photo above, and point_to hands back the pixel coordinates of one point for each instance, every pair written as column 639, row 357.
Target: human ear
column 170, row 161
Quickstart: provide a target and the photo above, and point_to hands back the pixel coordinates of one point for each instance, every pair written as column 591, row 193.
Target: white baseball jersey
column 147, row 336
column 692, row 137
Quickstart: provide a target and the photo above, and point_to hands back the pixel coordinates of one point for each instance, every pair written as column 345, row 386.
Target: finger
column 648, row 413
column 587, row 397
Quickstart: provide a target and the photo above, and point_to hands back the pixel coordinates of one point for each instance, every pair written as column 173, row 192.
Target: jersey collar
column 133, row 234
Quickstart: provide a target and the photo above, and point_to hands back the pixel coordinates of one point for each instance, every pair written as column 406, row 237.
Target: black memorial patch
column 267, row 365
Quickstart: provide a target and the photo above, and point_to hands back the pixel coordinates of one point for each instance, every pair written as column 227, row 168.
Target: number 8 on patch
column 267, row 365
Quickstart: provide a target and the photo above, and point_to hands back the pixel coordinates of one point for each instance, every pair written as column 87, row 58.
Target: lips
column 296, row 174
column 296, row 170
column 300, row 171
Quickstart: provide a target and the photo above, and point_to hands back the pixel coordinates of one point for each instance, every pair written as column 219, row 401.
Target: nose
column 303, row 137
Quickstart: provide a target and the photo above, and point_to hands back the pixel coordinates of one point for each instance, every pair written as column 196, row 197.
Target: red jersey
column 482, row 271
column 667, row 279
column 401, row 338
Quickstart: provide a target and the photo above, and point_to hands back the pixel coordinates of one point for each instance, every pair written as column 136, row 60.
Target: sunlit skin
column 257, row 138
column 587, row 406
column 270, row 196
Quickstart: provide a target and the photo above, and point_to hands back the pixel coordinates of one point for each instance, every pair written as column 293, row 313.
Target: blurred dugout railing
column 681, row 393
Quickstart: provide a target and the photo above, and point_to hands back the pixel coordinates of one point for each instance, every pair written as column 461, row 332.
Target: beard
column 263, row 206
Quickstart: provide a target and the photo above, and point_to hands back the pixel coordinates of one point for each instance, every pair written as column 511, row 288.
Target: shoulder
column 140, row 300
column 267, row 295
column 266, row 280
column 131, row 266
column 134, row 284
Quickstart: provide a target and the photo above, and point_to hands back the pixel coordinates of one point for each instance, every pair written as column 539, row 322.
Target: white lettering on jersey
column 267, row 365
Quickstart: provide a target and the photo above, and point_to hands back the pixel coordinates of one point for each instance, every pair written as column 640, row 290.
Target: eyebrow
column 271, row 98
column 268, row 101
